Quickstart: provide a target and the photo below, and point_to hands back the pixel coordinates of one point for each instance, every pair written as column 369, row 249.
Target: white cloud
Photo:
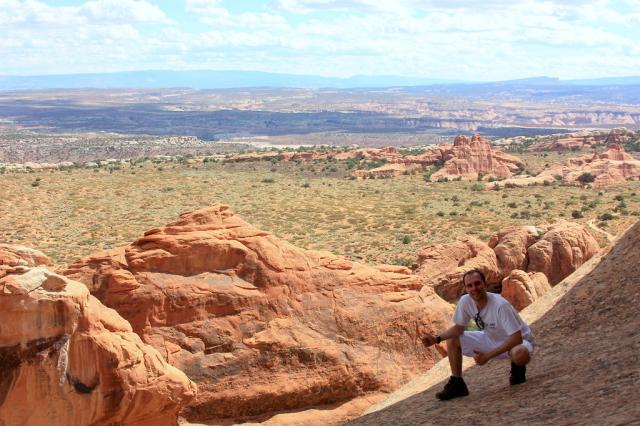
column 128, row 11
column 438, row 38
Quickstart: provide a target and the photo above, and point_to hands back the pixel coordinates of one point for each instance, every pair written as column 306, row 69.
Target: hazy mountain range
column 235, row 79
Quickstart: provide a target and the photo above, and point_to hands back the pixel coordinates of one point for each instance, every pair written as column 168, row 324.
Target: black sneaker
column 455, row 387
column 518, row 374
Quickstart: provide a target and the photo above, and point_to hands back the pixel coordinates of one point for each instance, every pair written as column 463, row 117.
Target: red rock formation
column 521, row 288
column 561, row 250
column 556, row 251
column 66, row 359
column 583, row 140
column 442, row 266
column 510, row 245
column 470, row 158
column 261, row 325
column 14, row 255
column 607, row 168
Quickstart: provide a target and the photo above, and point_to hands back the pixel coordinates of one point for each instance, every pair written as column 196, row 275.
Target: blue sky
column 448, row 39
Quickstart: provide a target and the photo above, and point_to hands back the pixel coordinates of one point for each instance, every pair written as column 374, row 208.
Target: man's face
column 475, row 286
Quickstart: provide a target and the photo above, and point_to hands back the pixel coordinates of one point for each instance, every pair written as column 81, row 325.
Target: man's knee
column 520, row 355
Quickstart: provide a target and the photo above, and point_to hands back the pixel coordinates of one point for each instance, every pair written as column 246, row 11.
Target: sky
column 453, row 40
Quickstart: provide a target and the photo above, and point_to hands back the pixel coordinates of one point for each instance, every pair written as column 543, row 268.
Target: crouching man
column 502, row 334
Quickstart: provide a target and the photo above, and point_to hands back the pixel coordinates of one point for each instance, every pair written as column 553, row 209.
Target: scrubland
column 71, row 213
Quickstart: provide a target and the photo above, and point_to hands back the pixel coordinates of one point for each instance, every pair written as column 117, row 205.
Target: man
column 502, row 334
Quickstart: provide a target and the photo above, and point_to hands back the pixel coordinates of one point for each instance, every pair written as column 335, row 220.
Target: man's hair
column 474, row 271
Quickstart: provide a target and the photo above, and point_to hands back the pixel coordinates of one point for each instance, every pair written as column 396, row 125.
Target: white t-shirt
column 500, row 319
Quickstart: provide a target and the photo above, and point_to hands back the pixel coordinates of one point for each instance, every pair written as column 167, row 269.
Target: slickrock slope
column 470, row 158
column 607, row 168
column 585, row 369
column 263, row 326
column 66, row 359
column 556, row 250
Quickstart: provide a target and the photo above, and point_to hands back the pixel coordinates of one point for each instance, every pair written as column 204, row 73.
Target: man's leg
column 455, row 387
column 520, row 355
column 454, row 351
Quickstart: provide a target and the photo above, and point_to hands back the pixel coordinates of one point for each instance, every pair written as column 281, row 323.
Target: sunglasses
column 478, row 320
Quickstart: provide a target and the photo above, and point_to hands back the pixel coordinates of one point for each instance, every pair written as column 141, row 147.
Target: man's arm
column 514, row 340
column 454, row 331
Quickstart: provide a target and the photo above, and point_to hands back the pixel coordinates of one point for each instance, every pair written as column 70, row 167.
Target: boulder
column 16, row 255
column 561, row 250
column 442, row 266
column 521, row 288
column 261, row 325
column 510, row 246
column 66, row 359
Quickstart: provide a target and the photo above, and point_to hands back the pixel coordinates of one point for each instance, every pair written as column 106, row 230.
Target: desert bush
column 577, row 214
column 586, row 177
column 606, row 216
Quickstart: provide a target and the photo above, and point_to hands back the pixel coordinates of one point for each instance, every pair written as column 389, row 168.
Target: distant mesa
column 66, row 359
column 261, row 325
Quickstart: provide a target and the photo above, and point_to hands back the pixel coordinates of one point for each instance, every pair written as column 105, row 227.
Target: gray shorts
column 478, row 341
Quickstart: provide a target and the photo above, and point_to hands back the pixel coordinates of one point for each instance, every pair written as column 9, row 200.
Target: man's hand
column 481, row 357
column 428, row 340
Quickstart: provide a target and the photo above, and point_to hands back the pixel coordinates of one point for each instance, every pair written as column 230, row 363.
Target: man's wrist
column 438, row 339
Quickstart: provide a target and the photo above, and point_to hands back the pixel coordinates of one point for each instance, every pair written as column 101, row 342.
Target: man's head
column 475, row 284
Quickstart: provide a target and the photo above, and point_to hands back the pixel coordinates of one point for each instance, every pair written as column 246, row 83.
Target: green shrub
column 606, row 216
column 586, row 177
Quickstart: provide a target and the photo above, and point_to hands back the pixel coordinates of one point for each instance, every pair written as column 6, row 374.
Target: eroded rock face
column 16, row 255
column 442, row 266
column 561, row 250
column 556, row 251
column 510, row 245
column 66, row 359
column 261, row 325
column 522, row 288
column 469, row 159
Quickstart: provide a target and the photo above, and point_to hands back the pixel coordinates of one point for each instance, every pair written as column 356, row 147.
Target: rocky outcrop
column 15, row 255
column 263, row 326
column 521, row 288
column 561, row 250
column 584, row 140
column 510, row 245
column 600, row 169
column 442, row 266
column 66, row 359
column 555, row 250
column 470, row 159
